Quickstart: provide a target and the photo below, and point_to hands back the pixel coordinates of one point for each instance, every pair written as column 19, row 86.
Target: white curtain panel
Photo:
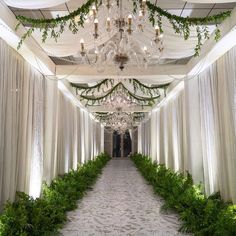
column 35, row 4
column 42, row 131
column 21, row 124
column 217, row 92
column 196, row 128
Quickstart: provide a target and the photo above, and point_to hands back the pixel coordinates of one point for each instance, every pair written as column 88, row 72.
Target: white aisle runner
column 121, row 203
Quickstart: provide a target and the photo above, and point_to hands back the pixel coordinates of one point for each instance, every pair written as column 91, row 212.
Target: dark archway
column 118, row 145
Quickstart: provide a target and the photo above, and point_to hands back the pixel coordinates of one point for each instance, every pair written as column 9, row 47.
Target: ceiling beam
column 30, row 49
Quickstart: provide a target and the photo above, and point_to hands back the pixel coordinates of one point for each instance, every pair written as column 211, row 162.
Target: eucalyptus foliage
column 54, row 27
column 201, row 215
column 44, row 216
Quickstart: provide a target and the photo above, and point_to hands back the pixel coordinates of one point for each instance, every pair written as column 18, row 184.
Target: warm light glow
column 36, row 166
column 82, row 44
column 82, row 41
column 140, row 14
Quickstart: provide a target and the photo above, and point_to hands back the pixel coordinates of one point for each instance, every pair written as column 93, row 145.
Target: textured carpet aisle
column 121, row 203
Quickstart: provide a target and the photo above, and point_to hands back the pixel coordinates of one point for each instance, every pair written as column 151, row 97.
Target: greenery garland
column 54, row 27
column 46, row 215
column 91, row 100
column 182, row 25
column 137, row 85
column 151, row 91
column 200, row 215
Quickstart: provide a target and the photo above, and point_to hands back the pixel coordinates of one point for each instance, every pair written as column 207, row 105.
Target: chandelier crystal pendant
column 124, row 46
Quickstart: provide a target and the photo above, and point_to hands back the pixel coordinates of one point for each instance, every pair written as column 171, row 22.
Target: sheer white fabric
column 209, row 1
column 175, row 45
column 41, row 129
column 196, row 128
column 36, row 4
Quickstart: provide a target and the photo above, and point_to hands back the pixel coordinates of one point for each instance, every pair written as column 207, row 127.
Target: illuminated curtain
column 196, row 128
column 43, row 133
column 21, row 124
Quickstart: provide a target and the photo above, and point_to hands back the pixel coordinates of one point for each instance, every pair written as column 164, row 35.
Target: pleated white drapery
column 42, row 131
column 195, row 129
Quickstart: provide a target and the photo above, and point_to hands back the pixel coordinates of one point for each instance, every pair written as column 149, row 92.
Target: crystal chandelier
column 119, row 121
column 123, row 47
column 119, row 100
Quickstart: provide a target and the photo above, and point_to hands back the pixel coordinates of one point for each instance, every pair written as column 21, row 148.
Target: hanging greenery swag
column 87, row 92
column 54, row 27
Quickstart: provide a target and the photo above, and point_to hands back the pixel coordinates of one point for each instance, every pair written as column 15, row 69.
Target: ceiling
column 177, row 51
column 177, row 7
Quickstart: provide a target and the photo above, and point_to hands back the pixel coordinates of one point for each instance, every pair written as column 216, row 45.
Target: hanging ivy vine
column 181, row 25
column 106, row 86
column 54, row 27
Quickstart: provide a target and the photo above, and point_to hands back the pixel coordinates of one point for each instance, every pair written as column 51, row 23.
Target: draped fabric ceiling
column 68, row 44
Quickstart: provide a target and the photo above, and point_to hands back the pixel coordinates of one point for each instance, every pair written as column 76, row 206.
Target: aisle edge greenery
column 45, row 215
column 201, row 215
column 54, row 27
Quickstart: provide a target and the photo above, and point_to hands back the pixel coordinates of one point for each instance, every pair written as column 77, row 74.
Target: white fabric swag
column 35, row 4
column 42, row 133
column 195, row 130
column 209, row 1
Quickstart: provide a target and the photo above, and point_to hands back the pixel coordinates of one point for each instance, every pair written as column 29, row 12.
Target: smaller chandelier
column 119, row 100
column 120, row 121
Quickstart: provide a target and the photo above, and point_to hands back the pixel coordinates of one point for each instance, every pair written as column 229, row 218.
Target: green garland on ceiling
column 182, row 25
column 54, row 27
column 143, row 101
column 97, row 100
column 137, row 85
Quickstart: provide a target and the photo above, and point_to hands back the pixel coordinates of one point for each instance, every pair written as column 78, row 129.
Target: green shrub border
column 45, row 215
column 200, row 215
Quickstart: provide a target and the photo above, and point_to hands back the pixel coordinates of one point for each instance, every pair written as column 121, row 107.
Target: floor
column 121, row 203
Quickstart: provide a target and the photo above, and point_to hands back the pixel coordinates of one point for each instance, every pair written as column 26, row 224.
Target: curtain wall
column 42, row 133
column 195, row 128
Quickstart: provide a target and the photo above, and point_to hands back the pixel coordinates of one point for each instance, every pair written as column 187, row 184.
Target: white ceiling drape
column 209, row 1
column 36, row 4
column 175, row 47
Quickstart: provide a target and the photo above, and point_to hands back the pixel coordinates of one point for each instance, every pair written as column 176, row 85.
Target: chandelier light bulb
column 140, row 15
column 96, row 28
column 145, row 49
column 129, row 19
column 108, row 24
column 82, row 47
column 157, row 29
column 94, row 10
